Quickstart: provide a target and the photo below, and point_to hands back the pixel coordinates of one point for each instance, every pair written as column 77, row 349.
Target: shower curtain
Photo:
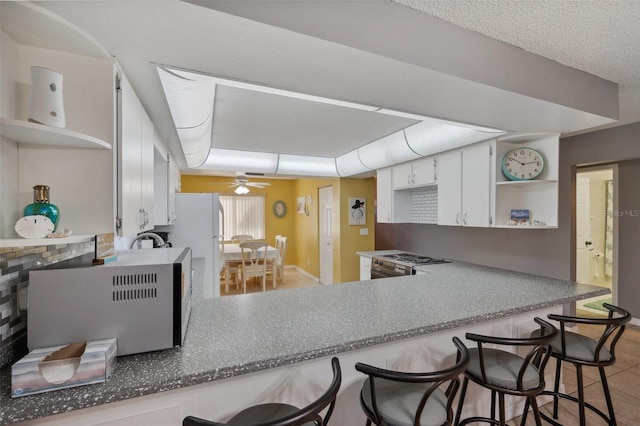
column 608, row 232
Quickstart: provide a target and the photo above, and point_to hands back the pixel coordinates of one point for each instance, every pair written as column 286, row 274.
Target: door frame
column 321, row 245
column 575, row 170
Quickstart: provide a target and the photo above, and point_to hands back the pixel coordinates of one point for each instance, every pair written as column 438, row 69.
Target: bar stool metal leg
column 581, row 350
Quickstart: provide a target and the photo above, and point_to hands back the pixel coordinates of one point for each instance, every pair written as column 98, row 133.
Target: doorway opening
column 596, row 235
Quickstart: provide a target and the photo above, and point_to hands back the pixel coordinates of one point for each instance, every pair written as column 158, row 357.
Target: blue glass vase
column 41, row 205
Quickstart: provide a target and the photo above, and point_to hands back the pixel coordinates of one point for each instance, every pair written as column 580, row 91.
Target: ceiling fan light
column 241, row 190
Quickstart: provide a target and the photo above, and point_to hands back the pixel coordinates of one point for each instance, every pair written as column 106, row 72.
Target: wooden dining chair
column 278, row 264
column 231, row 267
column 254, row 263
column 237, row 239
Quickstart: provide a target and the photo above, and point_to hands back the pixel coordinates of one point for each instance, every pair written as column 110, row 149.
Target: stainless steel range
column 399, row 264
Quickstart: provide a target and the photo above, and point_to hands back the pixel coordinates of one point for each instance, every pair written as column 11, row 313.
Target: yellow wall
column 302, row 229
column 350, row 239
column 280, row 189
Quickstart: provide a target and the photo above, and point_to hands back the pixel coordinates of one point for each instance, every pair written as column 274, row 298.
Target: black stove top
column 413, row 259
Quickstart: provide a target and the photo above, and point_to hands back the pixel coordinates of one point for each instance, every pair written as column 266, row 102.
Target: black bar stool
column 276, row 414
column 580, row 351
column 393, row 398
column 505, row 372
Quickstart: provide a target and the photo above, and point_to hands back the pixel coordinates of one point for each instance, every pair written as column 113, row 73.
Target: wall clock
column 522, row 164
column 35, row 226
column 279, row 208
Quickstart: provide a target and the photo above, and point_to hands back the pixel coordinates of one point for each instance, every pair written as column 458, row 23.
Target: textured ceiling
column 601, row 37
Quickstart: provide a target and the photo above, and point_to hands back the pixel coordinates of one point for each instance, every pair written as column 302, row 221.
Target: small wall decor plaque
column 301, row 205
column 357, row 211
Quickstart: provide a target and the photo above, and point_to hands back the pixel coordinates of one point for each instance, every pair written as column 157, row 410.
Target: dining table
column 232, row 256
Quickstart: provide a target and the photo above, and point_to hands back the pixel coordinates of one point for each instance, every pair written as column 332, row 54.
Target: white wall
column 8, row 150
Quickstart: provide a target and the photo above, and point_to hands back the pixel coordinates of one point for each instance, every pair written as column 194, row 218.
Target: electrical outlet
column 308, row 261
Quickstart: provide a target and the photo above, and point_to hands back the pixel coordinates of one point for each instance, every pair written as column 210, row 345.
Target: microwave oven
column 143, row 298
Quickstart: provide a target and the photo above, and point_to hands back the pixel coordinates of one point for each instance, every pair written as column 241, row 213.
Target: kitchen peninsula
column 252, row 348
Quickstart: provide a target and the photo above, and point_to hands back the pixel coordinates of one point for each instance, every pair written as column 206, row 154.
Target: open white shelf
column 525, row 227
column 526, row 182
column 33, row 242
column 40, row 134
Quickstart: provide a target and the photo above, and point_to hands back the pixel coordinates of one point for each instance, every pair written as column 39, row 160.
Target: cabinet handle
column 435, row 174
column 457, row 218
column 146, row 218
column 464, row 219
column 389, row 217
column 409, row 180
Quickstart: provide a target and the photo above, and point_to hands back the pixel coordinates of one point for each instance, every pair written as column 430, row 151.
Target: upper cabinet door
column 135, row 163
column 129, row 160
column 450, row 188
column 403, row 176
column 384, row 201
column 424, row 171
column 476, row 186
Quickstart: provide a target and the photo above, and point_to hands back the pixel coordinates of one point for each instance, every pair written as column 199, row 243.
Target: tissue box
column 60, row 367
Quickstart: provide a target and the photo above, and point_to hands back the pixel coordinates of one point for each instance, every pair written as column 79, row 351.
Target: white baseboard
column 635, row 321
column 303, row 272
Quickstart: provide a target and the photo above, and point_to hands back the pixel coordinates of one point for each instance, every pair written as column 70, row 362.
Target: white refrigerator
column 200, row 225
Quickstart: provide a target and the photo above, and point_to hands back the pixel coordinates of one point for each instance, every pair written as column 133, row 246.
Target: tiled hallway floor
column 624, row 384
column 293, row 278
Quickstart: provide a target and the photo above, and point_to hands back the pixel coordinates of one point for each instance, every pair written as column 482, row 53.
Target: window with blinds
column 243, row 215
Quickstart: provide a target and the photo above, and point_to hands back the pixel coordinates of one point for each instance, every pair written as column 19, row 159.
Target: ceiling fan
column 242, row 184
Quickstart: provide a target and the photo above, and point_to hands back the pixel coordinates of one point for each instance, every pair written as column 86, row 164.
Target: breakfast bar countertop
column 235, row 335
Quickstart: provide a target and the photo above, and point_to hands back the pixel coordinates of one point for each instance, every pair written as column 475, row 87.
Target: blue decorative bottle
column 41, row 205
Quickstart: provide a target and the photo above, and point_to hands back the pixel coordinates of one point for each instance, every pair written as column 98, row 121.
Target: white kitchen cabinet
column 540, row 195
column 164, row 189
column 365, row 268
column 465, row 186
column 392, row 206
column 176, row 178
column 135, row 163
column 415, row 173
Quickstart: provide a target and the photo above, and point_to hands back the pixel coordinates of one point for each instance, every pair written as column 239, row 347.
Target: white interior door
column 583, row 230
column 325, row 231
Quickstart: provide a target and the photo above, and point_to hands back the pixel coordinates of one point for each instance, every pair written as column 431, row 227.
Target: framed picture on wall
column 300, row 205
column 357, row 211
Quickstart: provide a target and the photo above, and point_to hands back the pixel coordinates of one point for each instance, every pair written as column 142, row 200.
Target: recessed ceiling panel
column 256, row 121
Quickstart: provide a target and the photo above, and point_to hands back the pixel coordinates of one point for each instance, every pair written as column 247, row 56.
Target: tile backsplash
column 15, row 264
column 424, row 205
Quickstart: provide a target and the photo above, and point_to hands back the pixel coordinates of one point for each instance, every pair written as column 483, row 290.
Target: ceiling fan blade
column 258, row 184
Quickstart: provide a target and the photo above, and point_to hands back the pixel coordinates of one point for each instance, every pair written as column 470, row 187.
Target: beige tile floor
column 293, row 278
column 623, row 378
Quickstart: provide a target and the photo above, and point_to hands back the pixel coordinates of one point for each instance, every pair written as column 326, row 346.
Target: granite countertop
column 236, row 335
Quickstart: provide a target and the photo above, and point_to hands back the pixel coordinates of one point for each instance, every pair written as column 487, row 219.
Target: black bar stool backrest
column 538, row 355
column 582, row 350
column 614, row 325
column 436, row 379
column 309, row 414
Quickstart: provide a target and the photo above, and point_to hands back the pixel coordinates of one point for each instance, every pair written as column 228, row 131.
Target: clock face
column 522, row 164
column 279, row 208
column 34, row 226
